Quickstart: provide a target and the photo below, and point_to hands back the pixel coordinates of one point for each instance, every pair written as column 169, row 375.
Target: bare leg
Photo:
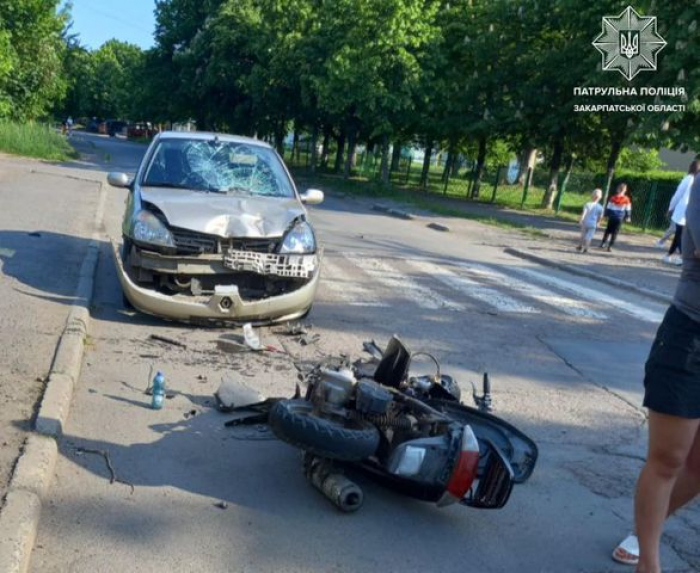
column 687, row 486
column 671, row 440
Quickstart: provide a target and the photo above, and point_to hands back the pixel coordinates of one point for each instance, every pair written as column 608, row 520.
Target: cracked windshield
column 218, row 167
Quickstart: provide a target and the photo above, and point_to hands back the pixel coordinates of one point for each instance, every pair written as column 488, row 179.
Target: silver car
column 215, row 230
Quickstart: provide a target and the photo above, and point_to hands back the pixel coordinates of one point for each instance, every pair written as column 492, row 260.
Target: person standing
column 592, row 213
column 618, row 209
column 670, row 478
column 677, row 209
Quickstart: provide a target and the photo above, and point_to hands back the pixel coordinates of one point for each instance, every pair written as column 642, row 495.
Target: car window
column 217, row 166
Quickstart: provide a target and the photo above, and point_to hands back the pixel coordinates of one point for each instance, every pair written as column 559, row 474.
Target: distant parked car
column 93, row 125
column 140, row 129
column 215, row 230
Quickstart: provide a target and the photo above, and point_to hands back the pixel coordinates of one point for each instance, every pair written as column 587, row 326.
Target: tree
column 31, row 47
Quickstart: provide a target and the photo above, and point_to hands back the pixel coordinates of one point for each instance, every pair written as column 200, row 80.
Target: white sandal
column 627, row 551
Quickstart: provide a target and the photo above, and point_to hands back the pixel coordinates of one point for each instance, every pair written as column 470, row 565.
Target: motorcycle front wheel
column 293, row 421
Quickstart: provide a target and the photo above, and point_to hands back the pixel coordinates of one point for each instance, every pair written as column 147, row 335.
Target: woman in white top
column 679, row 203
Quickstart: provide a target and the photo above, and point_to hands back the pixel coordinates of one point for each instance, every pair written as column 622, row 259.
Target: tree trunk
column 325, row 153
column 340, row 153
column 314, row 150
column 615, row 150
column 396, row 156
column 480, row 162
column 384, row 170
column 568, row 167
column 451, row 160
column 295, row 144
column 527, row 161
column 279, row 138
column 554, row 165
column 426, row 164
column 352, row 147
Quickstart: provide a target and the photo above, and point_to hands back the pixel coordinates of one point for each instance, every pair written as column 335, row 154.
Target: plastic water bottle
column 158, row 391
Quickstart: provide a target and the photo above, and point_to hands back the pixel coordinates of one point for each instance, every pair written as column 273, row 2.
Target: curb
column 400, row 214
column 33, row 473
column 657, row 296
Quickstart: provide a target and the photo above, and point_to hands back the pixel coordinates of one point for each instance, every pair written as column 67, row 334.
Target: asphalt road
column 564, row 354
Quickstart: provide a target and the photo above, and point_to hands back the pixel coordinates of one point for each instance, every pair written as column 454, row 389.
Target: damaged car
column 215, row 230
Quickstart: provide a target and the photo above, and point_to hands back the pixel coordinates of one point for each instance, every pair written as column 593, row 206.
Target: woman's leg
column 676, row 243
column 687, row 486
column 671, row 440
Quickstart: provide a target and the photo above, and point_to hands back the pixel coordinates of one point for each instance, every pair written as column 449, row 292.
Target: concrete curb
column 31, row 478
column 399, row 213
column 571, row 269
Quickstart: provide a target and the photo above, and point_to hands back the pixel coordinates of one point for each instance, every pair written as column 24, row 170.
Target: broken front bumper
column 225, row 304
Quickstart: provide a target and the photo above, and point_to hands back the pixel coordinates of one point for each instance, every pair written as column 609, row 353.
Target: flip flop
column 627, row 551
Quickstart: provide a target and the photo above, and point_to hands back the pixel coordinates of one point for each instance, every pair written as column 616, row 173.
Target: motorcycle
column 409, row 433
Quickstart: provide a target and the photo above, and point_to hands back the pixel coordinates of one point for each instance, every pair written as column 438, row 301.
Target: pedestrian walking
column 591, row 216
column 670, row 478
column 618, row 209
column 668, row 233
column 69, row 125
column 677, row 209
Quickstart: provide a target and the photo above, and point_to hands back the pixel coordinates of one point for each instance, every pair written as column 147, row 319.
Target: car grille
column 191, row 242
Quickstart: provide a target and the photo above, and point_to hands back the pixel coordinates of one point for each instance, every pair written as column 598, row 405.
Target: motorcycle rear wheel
column 293, row 422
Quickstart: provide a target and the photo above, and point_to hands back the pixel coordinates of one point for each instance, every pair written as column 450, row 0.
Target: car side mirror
column 118, row 179
column 312, row 197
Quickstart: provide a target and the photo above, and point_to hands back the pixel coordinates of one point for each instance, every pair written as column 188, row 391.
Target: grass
column 34, row 140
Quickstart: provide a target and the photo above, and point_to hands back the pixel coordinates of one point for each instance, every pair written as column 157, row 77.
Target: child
column 618, row 209
column 592, row 213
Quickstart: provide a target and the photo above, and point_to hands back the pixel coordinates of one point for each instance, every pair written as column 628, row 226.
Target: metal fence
column 650, row 199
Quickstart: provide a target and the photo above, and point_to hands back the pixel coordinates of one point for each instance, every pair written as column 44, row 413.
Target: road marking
column 593, row 295
column 343, row 287
column 563, row 303
column 398, row 282
column 472, row 288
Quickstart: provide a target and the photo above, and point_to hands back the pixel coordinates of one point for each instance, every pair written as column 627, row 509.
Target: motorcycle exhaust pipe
column 339, row 490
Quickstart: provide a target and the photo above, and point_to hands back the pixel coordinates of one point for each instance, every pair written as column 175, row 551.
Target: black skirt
column 672, row 380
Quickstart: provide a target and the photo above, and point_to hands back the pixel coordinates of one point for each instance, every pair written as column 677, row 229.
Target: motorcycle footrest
column 496, row 483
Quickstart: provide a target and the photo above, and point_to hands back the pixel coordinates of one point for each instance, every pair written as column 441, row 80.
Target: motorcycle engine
column 371, row 398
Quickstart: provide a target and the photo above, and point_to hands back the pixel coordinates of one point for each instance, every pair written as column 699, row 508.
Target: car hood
column 225, row 215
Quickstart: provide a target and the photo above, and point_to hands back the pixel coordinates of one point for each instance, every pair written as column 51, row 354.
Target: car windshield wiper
column 171, row 185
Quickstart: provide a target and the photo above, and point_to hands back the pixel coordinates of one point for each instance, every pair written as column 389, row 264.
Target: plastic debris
column 251, row 337
column 234, row 394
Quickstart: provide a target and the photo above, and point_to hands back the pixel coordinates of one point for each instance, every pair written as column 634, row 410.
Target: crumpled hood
column 224, row 215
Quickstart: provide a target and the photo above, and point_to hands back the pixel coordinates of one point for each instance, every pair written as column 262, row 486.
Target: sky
column 97, row 21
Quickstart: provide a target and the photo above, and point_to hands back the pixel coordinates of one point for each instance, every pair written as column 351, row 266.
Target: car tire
column 293, row 422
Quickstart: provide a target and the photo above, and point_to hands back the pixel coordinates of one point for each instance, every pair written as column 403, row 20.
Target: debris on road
column 294, row 329
column 228, row 345
column 105, row 454
column 250, row 337
column 371, row 347
column 167, row 340
column 34, row 234
column 221, row 505
column 234, row 394
column 190, row 414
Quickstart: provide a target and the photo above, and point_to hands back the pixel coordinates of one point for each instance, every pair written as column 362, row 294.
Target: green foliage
column 31, row 51
column 34, row 140
column 642, row 160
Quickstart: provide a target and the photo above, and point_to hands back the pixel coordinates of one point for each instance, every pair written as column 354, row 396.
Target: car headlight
column 299, row 239
column 149, row 229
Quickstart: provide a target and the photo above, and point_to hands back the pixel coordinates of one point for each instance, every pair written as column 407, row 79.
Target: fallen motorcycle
column 411, row 434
